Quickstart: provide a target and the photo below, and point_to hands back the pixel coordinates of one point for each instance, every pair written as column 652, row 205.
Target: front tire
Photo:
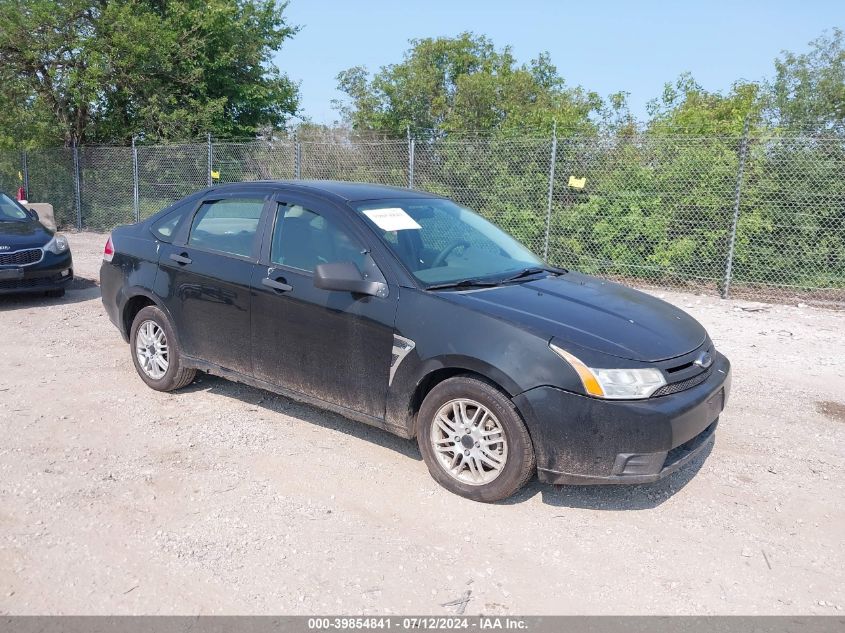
column 473, row 440
column 155, row 351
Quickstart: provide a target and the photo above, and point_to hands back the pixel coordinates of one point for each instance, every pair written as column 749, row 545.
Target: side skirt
column 228, row 374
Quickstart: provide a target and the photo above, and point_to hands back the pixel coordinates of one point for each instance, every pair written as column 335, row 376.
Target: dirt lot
column 225, row 499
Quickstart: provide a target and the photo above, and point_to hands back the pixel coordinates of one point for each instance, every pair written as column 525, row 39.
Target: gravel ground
column 116, row 499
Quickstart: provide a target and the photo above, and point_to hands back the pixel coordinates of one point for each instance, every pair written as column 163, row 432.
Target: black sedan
column 32, row 257
column 406, row 311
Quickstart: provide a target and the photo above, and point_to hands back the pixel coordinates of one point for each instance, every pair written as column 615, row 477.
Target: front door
column 332, row 345
column 205, row 280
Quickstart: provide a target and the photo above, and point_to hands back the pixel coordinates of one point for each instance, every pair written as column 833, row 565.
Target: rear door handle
column 276, row 285
column 181, row 259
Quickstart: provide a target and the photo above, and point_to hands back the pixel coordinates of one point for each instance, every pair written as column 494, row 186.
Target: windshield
column 441, row 242
column 11, row 210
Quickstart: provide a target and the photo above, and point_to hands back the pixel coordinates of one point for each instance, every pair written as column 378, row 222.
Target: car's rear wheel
column 155, row 351
column 473, row 440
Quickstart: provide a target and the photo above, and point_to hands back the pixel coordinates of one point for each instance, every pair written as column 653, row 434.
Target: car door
column 204, row 277
column 335, row 346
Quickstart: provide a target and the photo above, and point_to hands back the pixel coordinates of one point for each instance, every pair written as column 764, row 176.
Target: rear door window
column 227, row 226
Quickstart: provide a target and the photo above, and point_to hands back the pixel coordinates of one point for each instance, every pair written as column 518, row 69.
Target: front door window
column 303, row 239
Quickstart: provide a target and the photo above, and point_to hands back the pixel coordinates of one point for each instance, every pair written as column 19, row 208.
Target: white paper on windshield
column 392, row 219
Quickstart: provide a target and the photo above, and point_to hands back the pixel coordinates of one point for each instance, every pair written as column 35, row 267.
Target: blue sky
column 602, row 45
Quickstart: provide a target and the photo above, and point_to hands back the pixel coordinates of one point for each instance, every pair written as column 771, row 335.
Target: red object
column 108, row 251
column 21, row 194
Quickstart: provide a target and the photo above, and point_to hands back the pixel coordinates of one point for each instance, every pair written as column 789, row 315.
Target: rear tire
column 156, row 353
column 473, row 440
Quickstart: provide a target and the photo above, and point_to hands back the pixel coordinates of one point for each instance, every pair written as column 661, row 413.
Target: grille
column 682, row 385
column 679, row 452
column 20, row 258
column 24, row 284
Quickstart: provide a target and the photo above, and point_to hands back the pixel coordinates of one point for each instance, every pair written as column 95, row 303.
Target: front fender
column 448, row 336
column 414, row 372
column 470, row 364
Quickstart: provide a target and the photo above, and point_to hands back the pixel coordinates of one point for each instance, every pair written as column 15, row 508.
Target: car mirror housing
column 33, row 214
column 345, row 276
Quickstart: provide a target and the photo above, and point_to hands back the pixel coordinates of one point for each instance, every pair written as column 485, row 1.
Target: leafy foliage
column 462, row 84
column 659, row 199
column 77, row 71
column 808, row 93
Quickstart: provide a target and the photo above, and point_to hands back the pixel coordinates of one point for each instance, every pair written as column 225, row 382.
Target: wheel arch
column 137, row 300
column 434, row 374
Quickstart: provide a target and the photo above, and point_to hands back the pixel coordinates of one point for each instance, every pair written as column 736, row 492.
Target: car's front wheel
column 473, row 440
column 155, row 351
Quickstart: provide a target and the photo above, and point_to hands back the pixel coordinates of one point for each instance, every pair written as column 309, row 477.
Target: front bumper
column 583, row 440
column 51, row 273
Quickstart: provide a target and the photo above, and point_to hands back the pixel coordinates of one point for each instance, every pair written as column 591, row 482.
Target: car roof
column 338, row 189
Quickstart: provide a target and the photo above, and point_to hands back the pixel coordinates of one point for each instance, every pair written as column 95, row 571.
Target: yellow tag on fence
column 215, row 175
column 20, row 176
column 577, row 183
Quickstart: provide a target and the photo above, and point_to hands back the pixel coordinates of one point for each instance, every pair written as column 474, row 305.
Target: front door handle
column 280, row 286
column 181, row 259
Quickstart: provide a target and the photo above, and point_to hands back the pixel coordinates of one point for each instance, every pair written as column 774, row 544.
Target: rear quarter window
column 166, row 227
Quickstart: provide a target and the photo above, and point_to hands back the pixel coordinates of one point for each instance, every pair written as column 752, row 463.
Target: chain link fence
column 755, row 216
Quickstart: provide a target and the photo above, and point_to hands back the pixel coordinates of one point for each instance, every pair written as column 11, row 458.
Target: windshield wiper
column 527, row 272
column 464, row 283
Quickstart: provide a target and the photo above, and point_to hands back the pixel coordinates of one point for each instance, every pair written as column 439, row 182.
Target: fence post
column 743, row 152
column 297, row 160
column 210, row 158
column 411, row 144
column 551, row 190
column 77, row 187
column 25, row 170
column 136, row 198
column 411, row 152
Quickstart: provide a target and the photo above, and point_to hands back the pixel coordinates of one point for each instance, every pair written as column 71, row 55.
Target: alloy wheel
column 152, row 350
column 469, row 442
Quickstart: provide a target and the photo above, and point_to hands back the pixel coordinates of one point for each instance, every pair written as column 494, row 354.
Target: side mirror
column 33, row 214
column 345, row 276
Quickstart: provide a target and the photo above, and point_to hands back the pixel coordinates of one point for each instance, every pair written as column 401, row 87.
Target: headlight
column 614, row 384
column 57, row 245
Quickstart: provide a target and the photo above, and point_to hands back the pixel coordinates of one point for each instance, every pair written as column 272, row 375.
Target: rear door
column 204, row 277
column 331, row 345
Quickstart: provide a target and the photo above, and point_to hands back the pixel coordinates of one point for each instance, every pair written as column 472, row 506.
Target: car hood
column 18, row 235
column 600, row 315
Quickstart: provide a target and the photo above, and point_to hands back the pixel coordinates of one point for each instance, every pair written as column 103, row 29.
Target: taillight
column 108, row 251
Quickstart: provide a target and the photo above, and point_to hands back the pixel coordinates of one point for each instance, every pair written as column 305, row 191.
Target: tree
column 687, row 108
column 105, row 70
column 462, row 84
column 808, row 90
